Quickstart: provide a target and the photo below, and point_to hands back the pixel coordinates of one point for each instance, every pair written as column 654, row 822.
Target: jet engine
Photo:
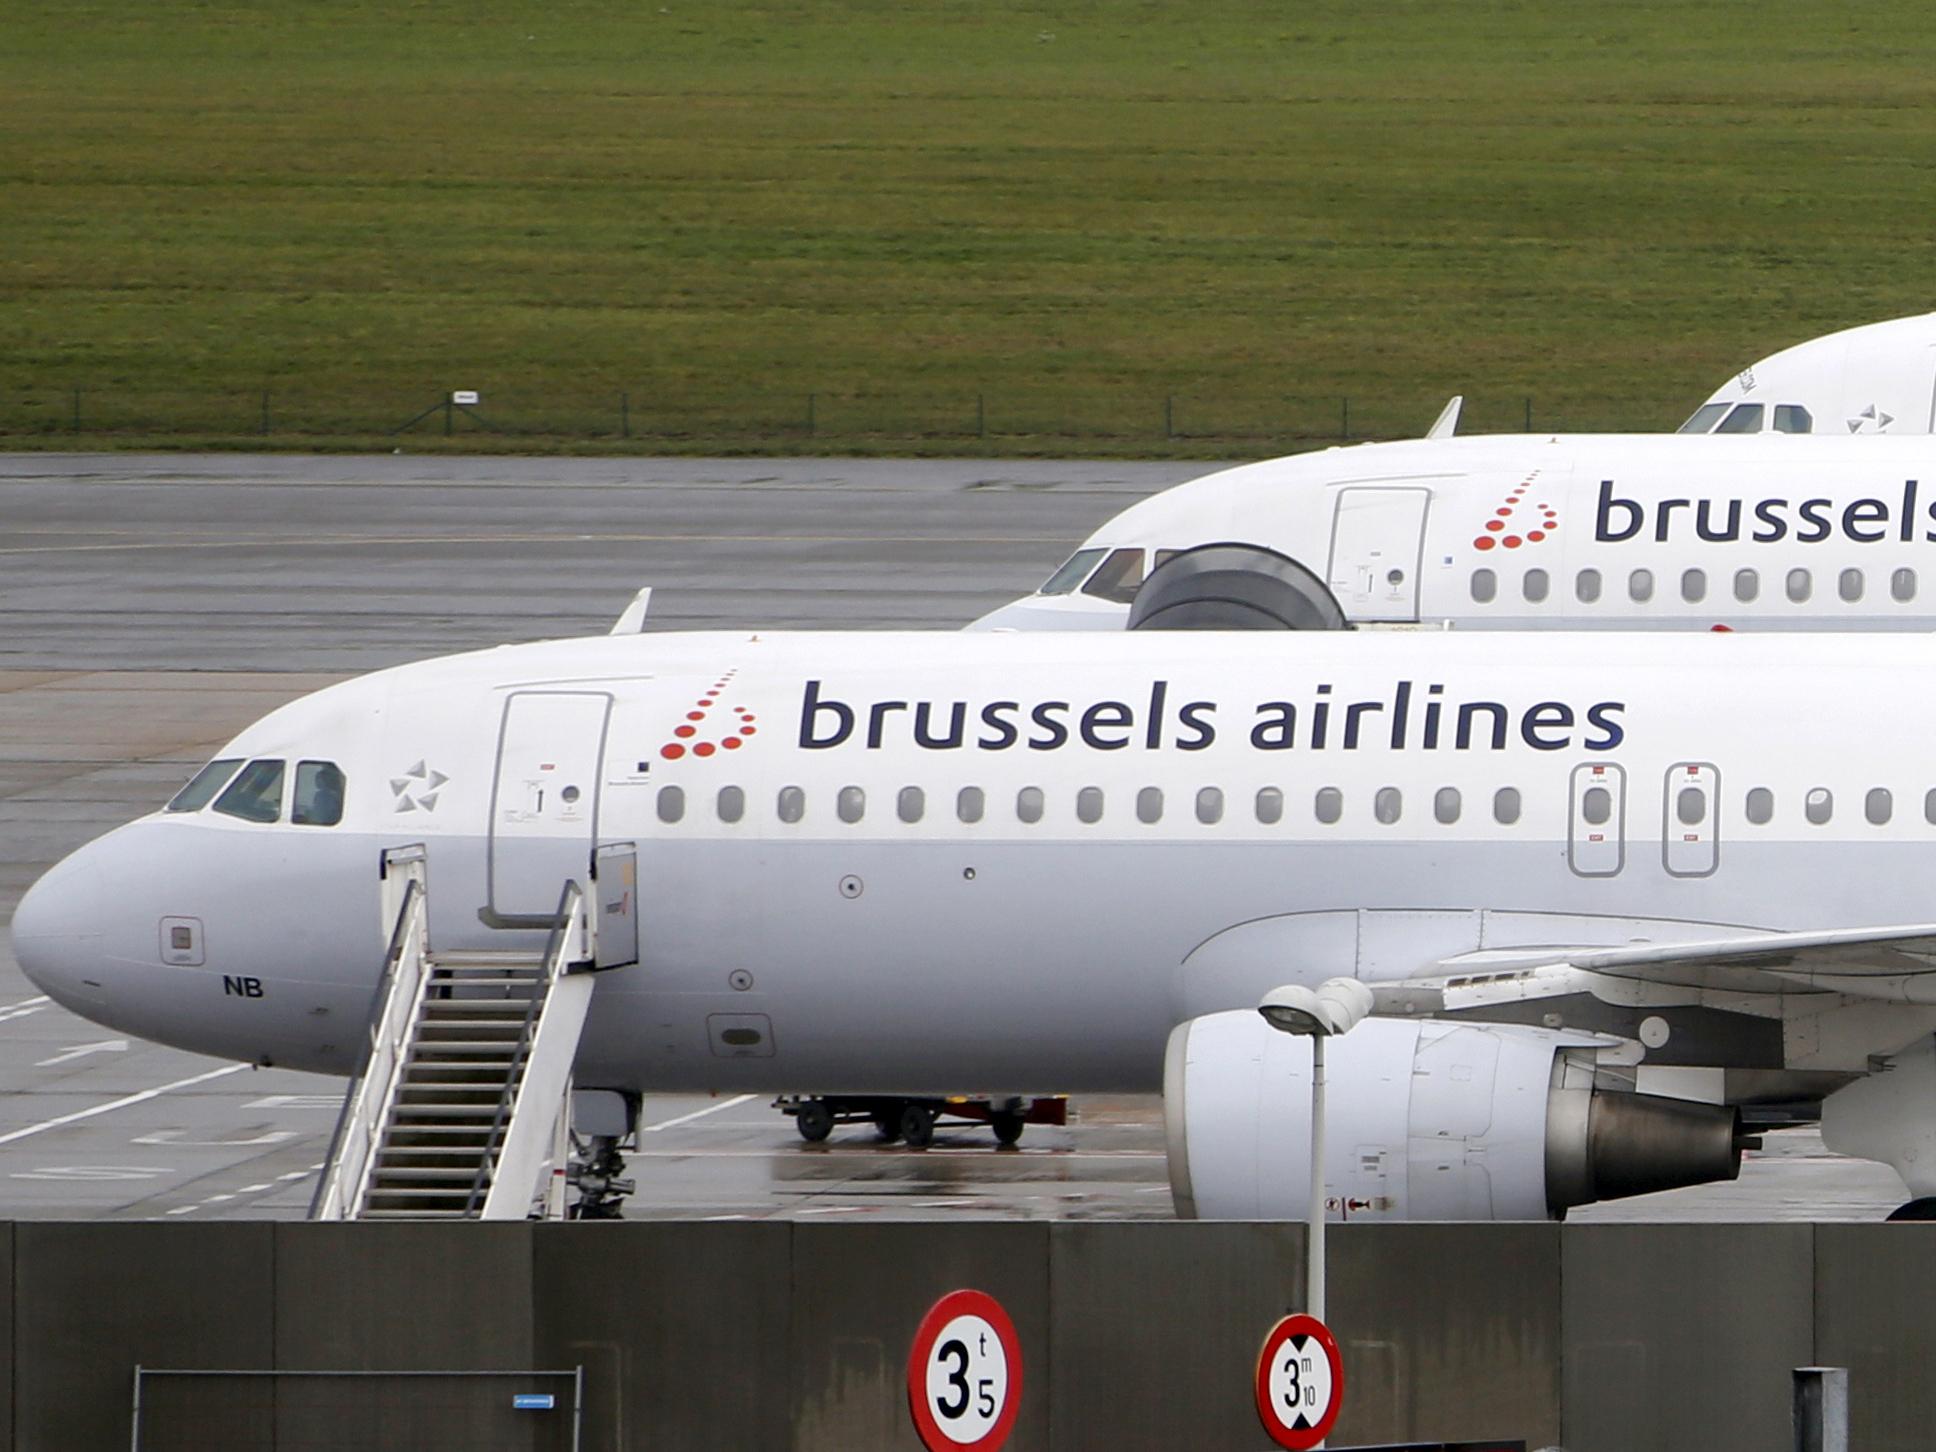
column 1424, row 1120
column 1234, row 586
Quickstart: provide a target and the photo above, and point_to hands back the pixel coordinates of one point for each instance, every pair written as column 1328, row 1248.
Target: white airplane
column 1526, row 532
column 1876, row 379
column 875, row 863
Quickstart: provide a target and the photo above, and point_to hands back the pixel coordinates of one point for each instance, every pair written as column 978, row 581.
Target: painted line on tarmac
column 122, row 1103
column 696, row 1114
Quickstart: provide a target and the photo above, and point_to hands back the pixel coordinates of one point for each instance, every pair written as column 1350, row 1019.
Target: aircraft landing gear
column 605, row 1123
column 912, row 1121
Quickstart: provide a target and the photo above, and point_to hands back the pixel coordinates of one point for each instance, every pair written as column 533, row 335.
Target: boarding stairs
column 461, row 1111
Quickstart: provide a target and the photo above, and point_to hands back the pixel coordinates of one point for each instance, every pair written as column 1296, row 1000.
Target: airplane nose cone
column 55, row 939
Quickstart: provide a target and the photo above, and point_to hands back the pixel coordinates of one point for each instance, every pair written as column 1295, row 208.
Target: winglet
column 632, row 620
column 1447, row 423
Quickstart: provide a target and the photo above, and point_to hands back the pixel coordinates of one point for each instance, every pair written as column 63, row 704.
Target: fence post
column 811, row 398
column 265, row 411
column 1529, row 415
column 981, row 415
column 1169, row 415
column 625, row 415
column 77, row 410
column 450, row 410
column 1344, row 419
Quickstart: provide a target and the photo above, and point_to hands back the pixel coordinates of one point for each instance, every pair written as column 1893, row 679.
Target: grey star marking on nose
column 417, row 789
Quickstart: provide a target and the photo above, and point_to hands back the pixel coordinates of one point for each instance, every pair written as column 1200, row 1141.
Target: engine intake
column 1234, row 586
column 1427, row 1120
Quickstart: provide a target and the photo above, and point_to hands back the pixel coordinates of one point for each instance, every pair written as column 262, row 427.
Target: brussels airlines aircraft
column 875, row 863
column 1876, row 379
column 1622, row 531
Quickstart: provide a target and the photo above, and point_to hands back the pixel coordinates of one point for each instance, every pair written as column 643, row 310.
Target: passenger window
column 205, row 784
column 1746, row 419
column 1028, row 804
column 1878, row 806
column 1149, row 806
column 1210, row 806
column 1849, row 586
column 1073, row 572
column 1693, row 586
column 1596, row 806
column 850, row 804
column 1819, row 805
column 1445, row 805
column 1640, row 585
column 1120, row 577
column 319, row 795
column 1703, row 418
column 1089, row 805
column 1387, row 805
column 1747, row 585
column 1929, row 806
column 1690, row 805
column 1800, row 586
column 1586, row 586
column 1330, row 805
column 970, row 803
column 1760, row 806
column 1485, row 586
column 731, row 804
column 1505, row 806
column 255, row 795
column 792, row 804
column 1270, row 806
column 672, row 803
column 1902, row 585
column 1536, row 585
column 1792, row 418
column 911, row 804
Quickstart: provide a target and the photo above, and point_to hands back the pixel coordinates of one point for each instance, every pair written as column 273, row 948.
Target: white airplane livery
column 1695, row 864
column 1529, row 532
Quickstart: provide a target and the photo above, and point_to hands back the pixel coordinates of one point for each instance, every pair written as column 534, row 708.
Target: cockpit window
column 208, row 781
column 1704, row 418
column 1120, row 577
column 319, row 795
column 255, row 795
column 1792, row 418
column 1746, row 419
column 1073, row 572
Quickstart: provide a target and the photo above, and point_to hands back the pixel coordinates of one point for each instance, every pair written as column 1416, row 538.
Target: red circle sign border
column 1284, row 1330
column 957, row 1303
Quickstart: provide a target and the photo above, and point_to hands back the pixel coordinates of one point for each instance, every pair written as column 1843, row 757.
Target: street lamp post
column 1334, row 1007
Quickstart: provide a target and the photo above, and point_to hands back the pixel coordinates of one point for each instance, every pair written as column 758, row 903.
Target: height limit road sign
column 1300, row 1382
column 965, row 1374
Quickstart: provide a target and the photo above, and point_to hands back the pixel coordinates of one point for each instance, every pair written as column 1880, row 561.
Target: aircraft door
column 1377, row 549
column 1596, row 834
column 1691, row 835
column 544, row 809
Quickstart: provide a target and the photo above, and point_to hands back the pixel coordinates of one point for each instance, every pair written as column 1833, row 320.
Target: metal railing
column 359, row 1128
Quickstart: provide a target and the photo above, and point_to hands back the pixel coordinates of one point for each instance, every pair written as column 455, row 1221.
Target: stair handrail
column 359, row 1124
column 557, row 954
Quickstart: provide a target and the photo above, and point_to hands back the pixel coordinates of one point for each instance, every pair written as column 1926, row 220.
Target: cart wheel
column 814, row 1120
column 887, row 1123
column 917, row 1126
column 1007, row 1125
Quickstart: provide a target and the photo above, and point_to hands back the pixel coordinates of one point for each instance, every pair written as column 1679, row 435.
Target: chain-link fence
column 349, row 1411
column 806, row 419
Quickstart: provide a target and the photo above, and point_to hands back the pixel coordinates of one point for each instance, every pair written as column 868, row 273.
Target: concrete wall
column 1133, row 1335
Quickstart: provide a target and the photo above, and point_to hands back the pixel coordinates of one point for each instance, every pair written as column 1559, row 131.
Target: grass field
column 1037, row 222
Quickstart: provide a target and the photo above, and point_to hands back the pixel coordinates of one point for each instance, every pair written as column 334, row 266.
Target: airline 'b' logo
column 1516, row 522
column 710, row 726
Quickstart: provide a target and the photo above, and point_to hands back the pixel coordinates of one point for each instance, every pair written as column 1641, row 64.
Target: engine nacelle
column 1425, row 1120
column 1234, row 586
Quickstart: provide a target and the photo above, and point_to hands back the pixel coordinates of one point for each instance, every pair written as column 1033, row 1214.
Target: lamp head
column 1335, row 1006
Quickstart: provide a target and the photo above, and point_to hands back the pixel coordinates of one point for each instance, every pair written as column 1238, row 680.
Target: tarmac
column 152, row 605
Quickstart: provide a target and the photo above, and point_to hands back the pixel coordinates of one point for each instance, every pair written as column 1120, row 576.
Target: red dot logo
column 672, row 751
column 1483, row 542
column 704, row 748
column 1512, row 541
column 731, row 743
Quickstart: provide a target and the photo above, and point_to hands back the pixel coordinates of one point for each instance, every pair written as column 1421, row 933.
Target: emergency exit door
column 1596, row 838
column 1691, row 840
column 544, row 810
column 1377, row 550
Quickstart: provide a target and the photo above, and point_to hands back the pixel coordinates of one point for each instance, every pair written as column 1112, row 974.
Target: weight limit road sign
column 1300, row 1382
column 965, row 1374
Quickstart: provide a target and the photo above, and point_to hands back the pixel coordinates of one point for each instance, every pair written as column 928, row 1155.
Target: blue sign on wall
column 534, row 1401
